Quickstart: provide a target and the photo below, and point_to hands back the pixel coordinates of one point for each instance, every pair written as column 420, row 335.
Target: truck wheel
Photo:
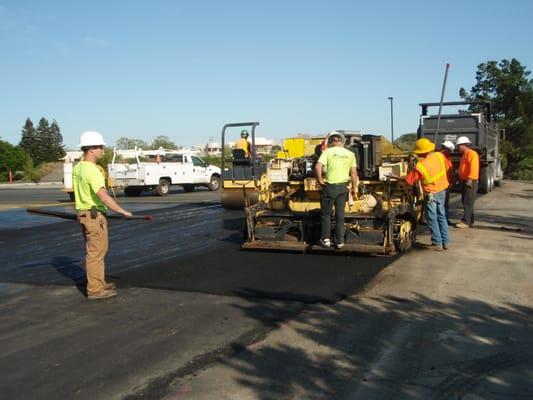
column 71, row 196
column 132, row 191
column 214, row 183
column 163, row 188
column 491, row 175
column 188, row 188
column 484, row 180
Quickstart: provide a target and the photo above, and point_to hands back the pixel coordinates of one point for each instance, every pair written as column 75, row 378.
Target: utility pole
column 391, row 120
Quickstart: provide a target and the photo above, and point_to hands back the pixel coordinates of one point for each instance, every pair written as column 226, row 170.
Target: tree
column 12, row 158
column 164, row 142
column 43, row 142
column 125, row 143
column 28, row 139
column 406, row 142
column 57, row 141
column 507, row 86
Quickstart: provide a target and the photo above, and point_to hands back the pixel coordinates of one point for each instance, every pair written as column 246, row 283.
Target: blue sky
column 184, row 68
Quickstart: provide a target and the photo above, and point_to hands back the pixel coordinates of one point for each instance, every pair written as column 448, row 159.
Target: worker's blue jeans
column 333, row 194
column 436, row 218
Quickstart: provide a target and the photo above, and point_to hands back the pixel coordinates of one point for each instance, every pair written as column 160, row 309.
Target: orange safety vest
column 469, row 165
column 433, row 171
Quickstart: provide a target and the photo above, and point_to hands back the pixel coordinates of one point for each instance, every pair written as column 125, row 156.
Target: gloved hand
column 468, row 183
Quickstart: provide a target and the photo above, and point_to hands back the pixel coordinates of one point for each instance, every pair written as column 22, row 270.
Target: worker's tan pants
column 96, row 240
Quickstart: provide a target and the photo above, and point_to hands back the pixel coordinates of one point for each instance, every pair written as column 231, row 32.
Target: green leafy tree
column 28, row 138
column 507, row 86
column 275, row 148
column 125, row 143
column 406, row 142
column 12, row 158
column 164, row 142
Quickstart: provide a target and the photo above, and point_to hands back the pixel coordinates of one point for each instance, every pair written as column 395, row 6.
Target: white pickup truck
column 164, row 168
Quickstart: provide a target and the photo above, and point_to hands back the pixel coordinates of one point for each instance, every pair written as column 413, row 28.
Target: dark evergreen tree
column 28, row 139
column 57, row 140
column 44, row 147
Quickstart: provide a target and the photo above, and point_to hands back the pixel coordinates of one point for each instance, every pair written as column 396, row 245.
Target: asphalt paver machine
column 382, row 219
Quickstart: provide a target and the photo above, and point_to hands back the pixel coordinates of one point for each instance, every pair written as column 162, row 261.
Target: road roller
column 382, row 219
column 241, row 171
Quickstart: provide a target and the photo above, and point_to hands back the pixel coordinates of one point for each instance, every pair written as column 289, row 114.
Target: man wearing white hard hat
column 447, row 148
column 469, row 177
column 92, row 202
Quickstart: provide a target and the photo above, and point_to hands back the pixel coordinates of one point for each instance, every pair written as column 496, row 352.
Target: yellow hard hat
column 423, row 145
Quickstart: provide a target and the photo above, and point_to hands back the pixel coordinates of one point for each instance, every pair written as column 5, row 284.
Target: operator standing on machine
column 341, row 167
column 244, row 144
column 91, row 201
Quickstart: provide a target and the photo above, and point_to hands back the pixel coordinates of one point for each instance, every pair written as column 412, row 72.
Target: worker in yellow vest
column 244, row 144
column 431, row 171
column 92, row 202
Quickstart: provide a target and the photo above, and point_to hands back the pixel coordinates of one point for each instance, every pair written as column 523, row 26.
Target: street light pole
column 391, row 120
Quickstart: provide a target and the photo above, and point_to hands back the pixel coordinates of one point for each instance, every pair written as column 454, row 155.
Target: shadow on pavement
column 415, row 348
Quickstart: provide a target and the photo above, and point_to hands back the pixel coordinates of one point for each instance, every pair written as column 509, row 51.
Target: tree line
column 38, row 145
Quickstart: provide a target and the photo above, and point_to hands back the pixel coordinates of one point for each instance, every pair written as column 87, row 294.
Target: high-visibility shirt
column 433, row 172
column 243, row 144
column 338, row 162
column 469, row 165
column 87, row 180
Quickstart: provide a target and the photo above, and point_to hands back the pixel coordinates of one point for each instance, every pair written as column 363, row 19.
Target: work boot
column 435, row 247
column 104, row 294
column 446, row 246
column 110, row 286
column 462, row 225
column 324, row 243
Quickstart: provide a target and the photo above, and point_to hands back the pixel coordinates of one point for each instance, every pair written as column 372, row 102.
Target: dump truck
column 477, row 126
column 382, row 220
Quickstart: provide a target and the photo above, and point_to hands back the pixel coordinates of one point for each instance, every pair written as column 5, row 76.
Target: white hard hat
column 462, row 140
column 449, row 145
column 336, row 133
column 91, row 138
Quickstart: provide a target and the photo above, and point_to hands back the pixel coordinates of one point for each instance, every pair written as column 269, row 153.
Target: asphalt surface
column 456, row 324
column 188, row 295
column 198, row 318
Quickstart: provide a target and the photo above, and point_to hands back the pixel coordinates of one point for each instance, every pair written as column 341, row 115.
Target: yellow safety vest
column 433, row 170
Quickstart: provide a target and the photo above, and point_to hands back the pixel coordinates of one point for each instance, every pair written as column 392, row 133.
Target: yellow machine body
column 380, row 219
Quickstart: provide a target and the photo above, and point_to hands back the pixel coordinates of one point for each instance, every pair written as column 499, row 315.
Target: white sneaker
column 324, row 243
column 339, row 245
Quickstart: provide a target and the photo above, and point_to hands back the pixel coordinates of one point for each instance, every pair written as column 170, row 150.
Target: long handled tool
column 440, row 104
column 72, row 216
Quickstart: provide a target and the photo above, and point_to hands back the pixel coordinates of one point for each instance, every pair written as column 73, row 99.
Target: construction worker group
column 433, row 170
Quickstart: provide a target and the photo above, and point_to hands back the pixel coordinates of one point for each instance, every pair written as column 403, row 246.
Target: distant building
column 212, row 149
